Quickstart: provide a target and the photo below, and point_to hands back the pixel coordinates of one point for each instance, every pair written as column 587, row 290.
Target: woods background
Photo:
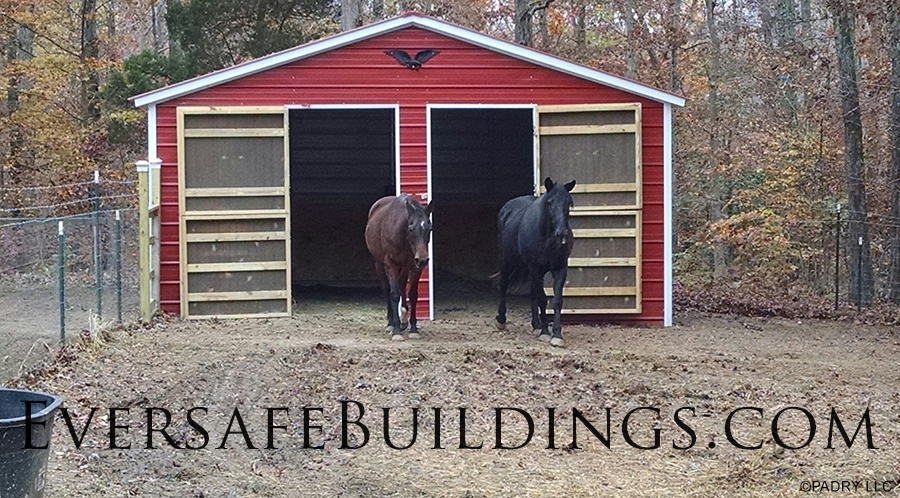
column 793, row 110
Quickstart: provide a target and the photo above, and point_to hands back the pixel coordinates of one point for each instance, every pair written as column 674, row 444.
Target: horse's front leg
column 393, row 277
column 559, row 280
column 413, row 299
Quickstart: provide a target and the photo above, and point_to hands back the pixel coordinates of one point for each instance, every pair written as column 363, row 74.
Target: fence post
column 98, row 270
column 144, row 238
column 119, row 266
column 61, row 274
column 837, row 259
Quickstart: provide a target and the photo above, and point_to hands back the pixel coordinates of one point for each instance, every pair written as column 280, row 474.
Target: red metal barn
column 269, row 167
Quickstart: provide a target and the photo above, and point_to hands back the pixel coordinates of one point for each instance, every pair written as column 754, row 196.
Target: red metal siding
column 462, row 73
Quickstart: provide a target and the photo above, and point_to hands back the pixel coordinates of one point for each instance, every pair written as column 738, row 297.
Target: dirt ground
column 336, row 350
column 29, row 318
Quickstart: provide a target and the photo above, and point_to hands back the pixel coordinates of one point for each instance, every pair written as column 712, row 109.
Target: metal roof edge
column 404, row 20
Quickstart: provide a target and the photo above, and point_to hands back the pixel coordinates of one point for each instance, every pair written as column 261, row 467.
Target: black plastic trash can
column 23, row 472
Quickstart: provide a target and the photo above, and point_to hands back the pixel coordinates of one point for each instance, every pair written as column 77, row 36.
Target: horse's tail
column 517, row 278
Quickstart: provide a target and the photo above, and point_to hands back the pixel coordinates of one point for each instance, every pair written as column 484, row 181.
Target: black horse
column 535, row 238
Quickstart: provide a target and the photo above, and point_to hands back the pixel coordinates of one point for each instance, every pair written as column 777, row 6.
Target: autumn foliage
column 759, row 147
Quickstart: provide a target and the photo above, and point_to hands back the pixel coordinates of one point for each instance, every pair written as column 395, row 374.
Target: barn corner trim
column 406, row 20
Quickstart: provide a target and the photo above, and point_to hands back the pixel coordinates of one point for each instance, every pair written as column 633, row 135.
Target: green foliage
column 217, row 33
column 141, row 73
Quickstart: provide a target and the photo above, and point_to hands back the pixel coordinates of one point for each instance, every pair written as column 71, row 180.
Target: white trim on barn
column 428, row 193
column 151, row 132
column 667, row 215
column 407, row 20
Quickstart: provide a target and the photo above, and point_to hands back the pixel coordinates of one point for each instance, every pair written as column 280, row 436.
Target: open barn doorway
column 481, row 157
column 342, row 160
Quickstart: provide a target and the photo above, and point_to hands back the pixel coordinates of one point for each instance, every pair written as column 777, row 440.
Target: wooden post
column 155, row 199
column 144, row 239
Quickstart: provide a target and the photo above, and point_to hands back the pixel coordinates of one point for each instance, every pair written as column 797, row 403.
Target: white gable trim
column 359, row 34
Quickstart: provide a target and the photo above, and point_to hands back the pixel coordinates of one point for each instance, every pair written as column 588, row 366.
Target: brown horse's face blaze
column 418, row 235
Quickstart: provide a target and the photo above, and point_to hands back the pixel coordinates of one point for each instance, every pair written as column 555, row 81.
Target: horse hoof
column 404, row 326
column 414, row 335
column 557, row 342
column 500, row 326
column 544, row 337
column 389, row 328
column 398, row 337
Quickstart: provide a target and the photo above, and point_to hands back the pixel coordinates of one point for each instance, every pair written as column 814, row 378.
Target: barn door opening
column 480, row 157
column 599, row 146
column 235, row 235
column 342, row 160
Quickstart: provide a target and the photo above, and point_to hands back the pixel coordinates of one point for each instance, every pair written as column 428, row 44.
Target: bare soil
column 29, row 317
column 336, row 350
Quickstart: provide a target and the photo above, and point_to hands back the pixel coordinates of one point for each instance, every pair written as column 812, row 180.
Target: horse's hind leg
column 403, row 309
column 539, row 306
column 385, row 290
column 500, row 320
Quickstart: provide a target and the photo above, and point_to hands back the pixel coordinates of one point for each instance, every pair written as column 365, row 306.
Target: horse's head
column 419, row 223
column 558, row 201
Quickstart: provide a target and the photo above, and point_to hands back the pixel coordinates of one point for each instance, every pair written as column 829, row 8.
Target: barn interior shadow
column 342, row 161
column 481, row 158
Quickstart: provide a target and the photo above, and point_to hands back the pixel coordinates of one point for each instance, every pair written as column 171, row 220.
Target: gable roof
column 403, row 21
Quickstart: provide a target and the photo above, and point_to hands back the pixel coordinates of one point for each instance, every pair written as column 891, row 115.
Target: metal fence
column 67, row 268
column 801, row 265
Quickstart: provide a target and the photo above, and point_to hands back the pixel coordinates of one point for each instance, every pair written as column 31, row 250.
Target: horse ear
column 410, row 208
column 548, row 184
column 429, row 208
column 570, row 185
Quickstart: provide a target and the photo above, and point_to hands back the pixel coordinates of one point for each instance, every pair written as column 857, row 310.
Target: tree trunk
column 895, row 154
column 21, row 47
column 719, row 187
column 377, row 9
column 158, row 26
column 805, row 20
column 674, row 43
column 90, row 52
column 674, row 86
column 545, row 32
column 579, row 27
column 111, row 22
column 787, row 17
column 630, row 45
column 844, row 18
column 349, row 14
column 523, row 23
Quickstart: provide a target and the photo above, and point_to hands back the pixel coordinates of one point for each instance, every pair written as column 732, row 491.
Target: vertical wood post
column 143, row 168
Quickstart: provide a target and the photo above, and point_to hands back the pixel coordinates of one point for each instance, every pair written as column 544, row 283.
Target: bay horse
column 535, row 238
column 397, row 235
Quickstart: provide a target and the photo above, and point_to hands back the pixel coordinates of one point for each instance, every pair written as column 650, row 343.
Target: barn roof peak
column 404, row 20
